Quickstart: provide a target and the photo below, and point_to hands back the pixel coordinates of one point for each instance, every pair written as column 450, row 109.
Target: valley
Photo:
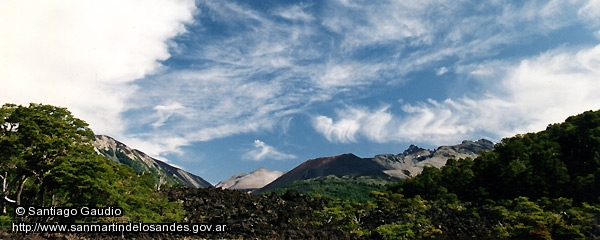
column 542, row 185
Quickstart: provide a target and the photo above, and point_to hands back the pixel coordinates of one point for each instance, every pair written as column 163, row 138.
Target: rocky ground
column 254, row 217
column 246, row 216
column 290, row 216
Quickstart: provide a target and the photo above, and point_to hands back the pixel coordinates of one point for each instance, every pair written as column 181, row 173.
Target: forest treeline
column 349, row 188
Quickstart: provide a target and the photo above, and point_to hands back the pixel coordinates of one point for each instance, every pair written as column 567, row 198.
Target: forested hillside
column 349, row 188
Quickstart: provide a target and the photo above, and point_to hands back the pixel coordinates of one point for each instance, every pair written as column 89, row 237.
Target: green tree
column 427, row 185
column 457, row 176
column 32, row 140
column 579, row 138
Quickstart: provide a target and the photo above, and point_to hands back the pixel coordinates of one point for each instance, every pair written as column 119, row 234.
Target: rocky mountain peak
column 475, row 146
column 412, row 149
column 486, row 142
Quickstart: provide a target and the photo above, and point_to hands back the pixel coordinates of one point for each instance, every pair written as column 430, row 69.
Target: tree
column 33, row 140
column 579, row 138
column 427, row 185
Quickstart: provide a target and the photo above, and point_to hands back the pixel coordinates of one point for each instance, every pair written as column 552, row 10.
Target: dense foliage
column 354, row 189
column 47, row 160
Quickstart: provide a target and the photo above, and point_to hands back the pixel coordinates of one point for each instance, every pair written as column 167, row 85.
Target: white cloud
column 343, row 130
column 294, row 12
column 441, row 71
column 84, row 55
column 157, row 145
column 263, row 151
column 381, row 21
column 591, row 11
column 218, row 103
column 483, row 70
column 530, row 95
column 353, row 121
column 538, row 16
column 554, row 85
column 337, row 76
column 164, row 112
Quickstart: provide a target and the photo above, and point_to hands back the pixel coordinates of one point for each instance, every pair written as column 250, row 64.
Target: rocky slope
column 250, row 181
column 139, row 161
column 412, row 160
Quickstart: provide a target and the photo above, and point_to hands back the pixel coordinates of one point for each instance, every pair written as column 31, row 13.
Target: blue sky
column 225, row 87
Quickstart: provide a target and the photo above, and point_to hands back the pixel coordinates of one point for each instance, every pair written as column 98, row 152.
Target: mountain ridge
column 141, row 162
column 411, row 162
column 404, row 165
column 407, row 164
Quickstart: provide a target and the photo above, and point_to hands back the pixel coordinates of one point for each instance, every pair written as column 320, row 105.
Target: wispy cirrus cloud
column 297, row 12
column 240, row 84
column 260, row 68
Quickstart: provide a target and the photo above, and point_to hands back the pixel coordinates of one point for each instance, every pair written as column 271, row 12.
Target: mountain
column 342, row 165
column 412, row 160
column 250, row 181
column 384, row 166
column 141, row 162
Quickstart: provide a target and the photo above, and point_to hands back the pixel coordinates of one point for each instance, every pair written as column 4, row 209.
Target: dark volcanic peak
column 342, row 165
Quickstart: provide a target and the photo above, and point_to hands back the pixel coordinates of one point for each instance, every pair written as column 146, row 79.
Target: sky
column 225, row 87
